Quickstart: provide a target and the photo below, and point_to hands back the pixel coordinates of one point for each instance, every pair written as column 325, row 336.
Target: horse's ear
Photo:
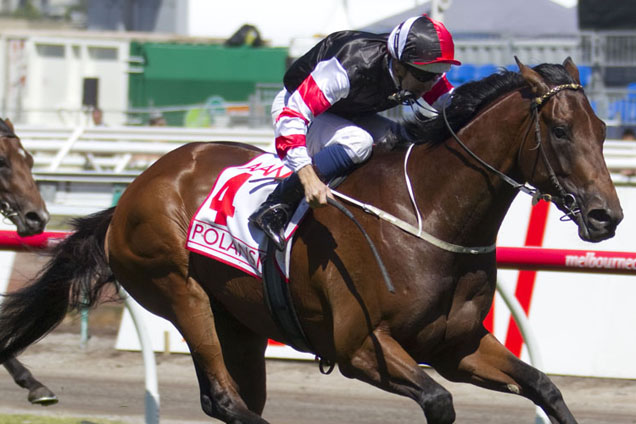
column 533, row 78
column 571, row 69
column 9, row 124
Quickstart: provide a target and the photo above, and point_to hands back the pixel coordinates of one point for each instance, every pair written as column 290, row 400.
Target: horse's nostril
column 599, row 215
column 34, row 219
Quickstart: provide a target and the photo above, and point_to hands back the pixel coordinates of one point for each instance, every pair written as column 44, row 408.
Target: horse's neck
column 459, row 199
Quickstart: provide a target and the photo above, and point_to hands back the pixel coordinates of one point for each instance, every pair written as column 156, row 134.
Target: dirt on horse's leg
column 244, row 354
column 487, row 363
column 382, row 362
column 38, row 392
column 219, row 392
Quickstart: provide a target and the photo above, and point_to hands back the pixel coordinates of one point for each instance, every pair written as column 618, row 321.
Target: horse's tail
column 72, row 279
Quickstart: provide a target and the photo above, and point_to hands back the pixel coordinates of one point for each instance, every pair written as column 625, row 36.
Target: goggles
column 424, row 76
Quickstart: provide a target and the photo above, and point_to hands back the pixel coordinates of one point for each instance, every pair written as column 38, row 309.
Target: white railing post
column 150, row 366
column 529, row 338
column 68, row 145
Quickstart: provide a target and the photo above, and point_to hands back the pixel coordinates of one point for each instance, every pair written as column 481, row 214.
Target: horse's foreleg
column 38, row 392
column 487, row 363
column 382, row 362
column 219, row 392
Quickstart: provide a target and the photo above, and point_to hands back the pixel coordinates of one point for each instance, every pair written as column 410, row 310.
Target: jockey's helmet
column 423, row 43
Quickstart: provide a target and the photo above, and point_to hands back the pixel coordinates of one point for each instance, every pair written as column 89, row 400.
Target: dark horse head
column 20, row 199
column 569, row 162
column 555, row 144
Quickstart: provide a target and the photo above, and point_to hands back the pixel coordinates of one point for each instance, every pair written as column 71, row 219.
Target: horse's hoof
column 42, row 396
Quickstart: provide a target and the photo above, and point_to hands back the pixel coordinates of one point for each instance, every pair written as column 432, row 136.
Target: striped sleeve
column 327, row 84
column 438, row 94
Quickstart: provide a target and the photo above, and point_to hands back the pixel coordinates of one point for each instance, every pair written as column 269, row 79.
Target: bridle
column 566, row 201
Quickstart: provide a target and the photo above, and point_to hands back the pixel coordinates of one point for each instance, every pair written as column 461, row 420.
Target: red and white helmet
column 424, row 43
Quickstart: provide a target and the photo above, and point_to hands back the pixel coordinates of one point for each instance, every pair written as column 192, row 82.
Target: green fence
column 198, row 75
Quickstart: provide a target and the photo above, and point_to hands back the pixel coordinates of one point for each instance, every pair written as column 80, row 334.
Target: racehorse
column 20, row 202
column 534, row 126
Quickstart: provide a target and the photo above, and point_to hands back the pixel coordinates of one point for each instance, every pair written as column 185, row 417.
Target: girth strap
column 280, row 305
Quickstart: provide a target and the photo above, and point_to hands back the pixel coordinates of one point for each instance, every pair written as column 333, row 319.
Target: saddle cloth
column 220, row 229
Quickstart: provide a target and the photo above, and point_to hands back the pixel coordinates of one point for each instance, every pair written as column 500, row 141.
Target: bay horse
column 21, row 203
column 534, row 126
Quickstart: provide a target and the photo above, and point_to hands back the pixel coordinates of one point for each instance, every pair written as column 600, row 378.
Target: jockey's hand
column 316, row 192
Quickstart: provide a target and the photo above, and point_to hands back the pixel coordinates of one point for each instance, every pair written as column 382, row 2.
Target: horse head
column 565, row 159
column 20, row 199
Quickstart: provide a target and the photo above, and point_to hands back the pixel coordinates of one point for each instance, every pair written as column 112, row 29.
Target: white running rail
column 122, row 149
column 132, row 149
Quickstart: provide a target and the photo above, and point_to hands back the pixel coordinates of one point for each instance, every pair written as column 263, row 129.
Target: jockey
column 326, row 117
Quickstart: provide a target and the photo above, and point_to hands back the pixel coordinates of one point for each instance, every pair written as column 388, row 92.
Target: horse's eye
column 559, row 132
column 4, row 163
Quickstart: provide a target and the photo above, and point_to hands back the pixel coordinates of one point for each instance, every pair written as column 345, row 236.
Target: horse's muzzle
column 32, row 222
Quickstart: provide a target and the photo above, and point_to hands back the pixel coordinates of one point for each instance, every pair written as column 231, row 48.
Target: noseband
column 567, row 201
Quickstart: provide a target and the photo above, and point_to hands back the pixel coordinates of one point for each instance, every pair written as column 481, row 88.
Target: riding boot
column 276, row 211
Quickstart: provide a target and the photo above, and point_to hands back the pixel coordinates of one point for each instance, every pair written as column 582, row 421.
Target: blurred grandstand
column 158, row 65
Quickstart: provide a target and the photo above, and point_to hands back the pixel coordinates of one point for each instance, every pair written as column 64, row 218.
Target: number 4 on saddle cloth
column 220, row 229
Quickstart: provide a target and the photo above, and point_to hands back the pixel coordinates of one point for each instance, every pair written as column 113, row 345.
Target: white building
column 43, row 76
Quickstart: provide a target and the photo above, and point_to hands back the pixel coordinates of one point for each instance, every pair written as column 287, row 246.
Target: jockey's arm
column 316, row 192
column 327, row 84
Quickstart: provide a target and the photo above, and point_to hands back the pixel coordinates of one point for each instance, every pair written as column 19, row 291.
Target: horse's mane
column 470, row 98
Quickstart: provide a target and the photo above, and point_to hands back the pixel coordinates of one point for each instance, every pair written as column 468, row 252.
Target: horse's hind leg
column 38, row 392
column 486, row 363
column 382, row 362
column 220, row 396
